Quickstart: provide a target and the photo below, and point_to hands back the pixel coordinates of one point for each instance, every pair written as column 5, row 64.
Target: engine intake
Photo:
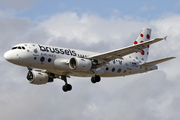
column 36, row 77
column 80, row 64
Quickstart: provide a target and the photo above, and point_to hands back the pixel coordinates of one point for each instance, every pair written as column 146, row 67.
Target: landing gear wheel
column 95, row 78
column 64, row 88
column 30, row 76
column 67, row 87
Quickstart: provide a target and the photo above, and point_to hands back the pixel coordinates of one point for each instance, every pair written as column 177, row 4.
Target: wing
column 51, row 73
column 157, row 61
column 120, row 53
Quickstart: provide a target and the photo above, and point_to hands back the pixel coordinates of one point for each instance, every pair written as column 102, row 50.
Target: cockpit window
column 19, row 47
column 14, row 48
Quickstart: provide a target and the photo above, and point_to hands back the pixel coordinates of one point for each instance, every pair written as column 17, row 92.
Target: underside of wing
column 120, row 53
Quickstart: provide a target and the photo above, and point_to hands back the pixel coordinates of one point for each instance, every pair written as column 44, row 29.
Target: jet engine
column 80, row 64
column 36, row 77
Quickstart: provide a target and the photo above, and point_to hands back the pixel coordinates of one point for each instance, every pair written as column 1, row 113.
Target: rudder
column 143, row 36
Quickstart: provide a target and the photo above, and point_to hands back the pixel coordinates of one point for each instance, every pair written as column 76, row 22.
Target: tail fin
column 143, row 36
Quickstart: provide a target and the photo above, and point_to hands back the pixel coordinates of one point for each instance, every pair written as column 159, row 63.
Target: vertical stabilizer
column 144, row 35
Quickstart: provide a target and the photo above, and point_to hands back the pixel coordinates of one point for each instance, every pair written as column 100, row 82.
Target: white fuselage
column 51, row 58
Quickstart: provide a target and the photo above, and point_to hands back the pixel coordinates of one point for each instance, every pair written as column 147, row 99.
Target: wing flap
column 157, row 61
column 119, row 53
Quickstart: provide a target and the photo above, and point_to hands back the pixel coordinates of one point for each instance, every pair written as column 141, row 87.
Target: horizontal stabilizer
column 157, row 61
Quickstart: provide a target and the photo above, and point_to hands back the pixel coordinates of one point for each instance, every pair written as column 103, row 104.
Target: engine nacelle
column 80, row 64
column 36, row 77
column 61, row 64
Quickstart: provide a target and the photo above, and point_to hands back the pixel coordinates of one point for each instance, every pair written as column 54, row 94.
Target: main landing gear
column 95, row 78
column 66, row 87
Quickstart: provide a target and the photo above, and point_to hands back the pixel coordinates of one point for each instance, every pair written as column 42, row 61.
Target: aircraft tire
column 64, row 88
column 95, row 78
column 67, row 87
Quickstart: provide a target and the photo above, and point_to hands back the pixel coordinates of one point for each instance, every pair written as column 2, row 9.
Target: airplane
column 58, row 62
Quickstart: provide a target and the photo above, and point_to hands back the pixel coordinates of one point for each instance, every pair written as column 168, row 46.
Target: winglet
column 165, row 38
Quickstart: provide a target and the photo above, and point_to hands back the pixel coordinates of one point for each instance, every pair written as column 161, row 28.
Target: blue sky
column 147, row 10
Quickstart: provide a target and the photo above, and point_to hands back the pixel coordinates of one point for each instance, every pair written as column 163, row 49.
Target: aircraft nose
column 7, row 56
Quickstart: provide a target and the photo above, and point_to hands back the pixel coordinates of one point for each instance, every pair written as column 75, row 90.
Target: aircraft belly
column 72, row 72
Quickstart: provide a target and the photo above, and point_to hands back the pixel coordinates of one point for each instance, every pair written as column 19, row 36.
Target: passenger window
column 42, row 59
column 107, row 69
column 49, row 60
column 119, row 70
column 113, row 69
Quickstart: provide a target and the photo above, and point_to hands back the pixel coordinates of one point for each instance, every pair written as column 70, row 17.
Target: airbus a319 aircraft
column 58, row 62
